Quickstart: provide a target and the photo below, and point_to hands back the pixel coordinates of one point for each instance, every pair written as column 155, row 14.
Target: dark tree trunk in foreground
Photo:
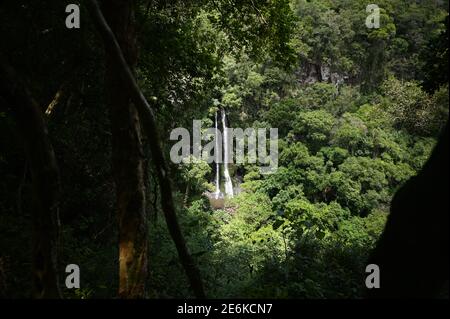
column 412, row 252
column 148, row 122
column 45, row 181
column 128, row 160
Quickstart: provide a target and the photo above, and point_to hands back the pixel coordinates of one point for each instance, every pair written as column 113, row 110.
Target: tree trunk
column 128, row 159
column 149, row 124
column 45, row 181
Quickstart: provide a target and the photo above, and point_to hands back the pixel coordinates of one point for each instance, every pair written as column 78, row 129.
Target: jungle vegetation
column 85, row 172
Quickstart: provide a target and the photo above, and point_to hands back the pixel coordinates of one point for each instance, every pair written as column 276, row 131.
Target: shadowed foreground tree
column 412, row 252
column 45, row 180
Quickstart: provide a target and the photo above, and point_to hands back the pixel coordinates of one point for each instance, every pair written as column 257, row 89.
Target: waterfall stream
column 217, row 193
column 226, row 173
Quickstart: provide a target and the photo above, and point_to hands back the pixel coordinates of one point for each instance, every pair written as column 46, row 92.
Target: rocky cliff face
column 312, row 73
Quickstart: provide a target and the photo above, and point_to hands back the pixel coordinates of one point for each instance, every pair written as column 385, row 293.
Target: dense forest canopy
column 358, row 112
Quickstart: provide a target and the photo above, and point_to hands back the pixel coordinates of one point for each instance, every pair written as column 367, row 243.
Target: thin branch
column 261, row 16
column 56, row 100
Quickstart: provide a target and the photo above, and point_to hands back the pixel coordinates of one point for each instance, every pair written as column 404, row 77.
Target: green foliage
column 195, row 171
column 314, row 126
column 413, row 109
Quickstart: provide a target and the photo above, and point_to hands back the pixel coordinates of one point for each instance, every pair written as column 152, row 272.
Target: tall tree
column 115, row 53
column 45, row 180
column 127, row 154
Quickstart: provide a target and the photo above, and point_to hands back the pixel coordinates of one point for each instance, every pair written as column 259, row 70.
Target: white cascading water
column 216, row 152
column 226, row 173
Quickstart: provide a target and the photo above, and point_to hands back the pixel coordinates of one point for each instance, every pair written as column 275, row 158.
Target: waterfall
column 226, row 173
column 216, row 151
